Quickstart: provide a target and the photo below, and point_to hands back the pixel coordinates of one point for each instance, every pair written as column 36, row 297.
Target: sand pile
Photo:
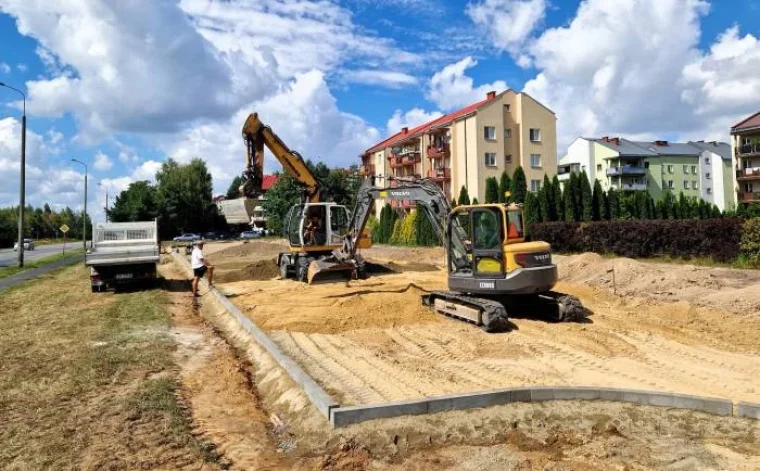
column 260, row 270
column 386, row 301
column 721, row 288
column 248, row 249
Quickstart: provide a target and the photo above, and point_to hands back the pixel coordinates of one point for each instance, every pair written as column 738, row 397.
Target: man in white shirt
column 200, row 266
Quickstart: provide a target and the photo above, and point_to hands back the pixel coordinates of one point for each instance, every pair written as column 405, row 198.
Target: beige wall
column 534, row 115
column 490, row 115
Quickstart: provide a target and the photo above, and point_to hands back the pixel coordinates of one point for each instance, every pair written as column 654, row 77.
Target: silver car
column 28, row 245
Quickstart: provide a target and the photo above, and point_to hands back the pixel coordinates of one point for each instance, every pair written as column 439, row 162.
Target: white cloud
column 146, row 171
column 140, row 66
column 509, row 23
column 304, row 114
column 632, row 68
column 725, row 78
column 102, row 162
column 410, row 119
column 450, row 88
column 5, row 68
column 383, row 78
column 21, row 67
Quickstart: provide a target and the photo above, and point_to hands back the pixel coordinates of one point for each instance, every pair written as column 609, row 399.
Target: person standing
column 200, row 266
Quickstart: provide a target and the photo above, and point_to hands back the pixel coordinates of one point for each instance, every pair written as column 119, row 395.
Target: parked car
column 246, row 235
column 189, row 237
column 28, row 245
column 211, row 235
column 225, row 235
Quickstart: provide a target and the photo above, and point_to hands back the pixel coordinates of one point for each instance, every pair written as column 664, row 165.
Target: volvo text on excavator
column 491, row 267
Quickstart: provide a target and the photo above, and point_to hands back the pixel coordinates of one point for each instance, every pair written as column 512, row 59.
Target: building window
column 707, row 176
column 535, row 185
column 506, row 108
column 709, row 191
column 507, row 133
column 693, row 169
column 670, row 169
column 535, row 135
column 489, row 132
column 685, row 185
column 508, row 158
column 490, row 159
column 535, row 160
column 707, row 160
column 598, row 167
column 670, row 184
column 685, row 169
column 646, row 164
column 694, row 185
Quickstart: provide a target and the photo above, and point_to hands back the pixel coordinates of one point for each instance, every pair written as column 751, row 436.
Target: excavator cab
column 494, row 258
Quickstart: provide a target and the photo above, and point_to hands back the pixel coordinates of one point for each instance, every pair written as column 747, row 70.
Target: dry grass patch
column 87, row 380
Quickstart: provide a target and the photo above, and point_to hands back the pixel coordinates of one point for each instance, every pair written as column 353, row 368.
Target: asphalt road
column 9, row 258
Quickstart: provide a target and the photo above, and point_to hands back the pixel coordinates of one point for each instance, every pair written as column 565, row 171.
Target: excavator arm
column 430, row 200
column 256, row 135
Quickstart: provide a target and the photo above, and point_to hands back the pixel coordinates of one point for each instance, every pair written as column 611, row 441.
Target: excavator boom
column 257, row 135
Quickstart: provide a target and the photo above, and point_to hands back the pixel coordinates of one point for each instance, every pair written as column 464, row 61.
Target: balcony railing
column 438, row 152
column 439, row 173
column 367, row 170
column 749, row 196
column 748, row 149
column 401, row 161
column 626, row 170
column 748, row 173
column 626, row 186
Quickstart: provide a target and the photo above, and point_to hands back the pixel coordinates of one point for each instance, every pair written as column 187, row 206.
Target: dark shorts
column 199, row 272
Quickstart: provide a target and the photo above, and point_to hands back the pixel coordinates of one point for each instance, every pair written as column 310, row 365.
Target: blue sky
column 126, row 85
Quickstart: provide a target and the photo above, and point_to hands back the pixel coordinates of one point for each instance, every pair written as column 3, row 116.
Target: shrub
column 409, row 229
column 750, row 241
column 715, row 238
column 396, row 236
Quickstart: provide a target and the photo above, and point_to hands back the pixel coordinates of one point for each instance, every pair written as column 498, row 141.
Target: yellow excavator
column 314, row 228
column 492, row 269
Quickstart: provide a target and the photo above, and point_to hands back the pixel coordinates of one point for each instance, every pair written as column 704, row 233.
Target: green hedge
column 716, row 238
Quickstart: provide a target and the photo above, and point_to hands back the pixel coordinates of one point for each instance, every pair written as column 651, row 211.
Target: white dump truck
column 123, row 253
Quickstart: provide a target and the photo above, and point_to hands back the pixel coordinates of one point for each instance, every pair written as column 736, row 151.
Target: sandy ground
column 345, row 333
column 260, row 420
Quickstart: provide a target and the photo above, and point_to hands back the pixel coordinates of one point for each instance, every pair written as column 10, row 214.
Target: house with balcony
column 745, row 142
column 696, row 169
column 465, row 147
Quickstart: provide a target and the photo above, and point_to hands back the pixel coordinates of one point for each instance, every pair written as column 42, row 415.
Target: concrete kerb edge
column 344, row 416
column 748, row 410
column 318, row 396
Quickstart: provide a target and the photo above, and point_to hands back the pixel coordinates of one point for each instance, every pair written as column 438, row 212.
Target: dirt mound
column 720, row 288
column 247, row 249
column 260, row 270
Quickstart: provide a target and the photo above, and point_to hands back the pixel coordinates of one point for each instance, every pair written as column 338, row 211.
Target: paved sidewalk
column 19, row 277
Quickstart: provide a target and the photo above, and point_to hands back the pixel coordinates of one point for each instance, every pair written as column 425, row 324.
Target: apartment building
column 696, row 169
column 745, row 144
column 466, row 147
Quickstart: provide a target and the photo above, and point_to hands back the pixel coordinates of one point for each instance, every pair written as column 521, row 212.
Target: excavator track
column 490, row 315
column 569, row 307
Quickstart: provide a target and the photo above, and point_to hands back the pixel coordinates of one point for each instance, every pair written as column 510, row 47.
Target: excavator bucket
column 329, row 270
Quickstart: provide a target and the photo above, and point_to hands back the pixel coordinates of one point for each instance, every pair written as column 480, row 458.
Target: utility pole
column 22, row 185
column 84, row 218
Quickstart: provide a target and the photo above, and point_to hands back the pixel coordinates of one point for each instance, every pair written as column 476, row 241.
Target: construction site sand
column 372, row 341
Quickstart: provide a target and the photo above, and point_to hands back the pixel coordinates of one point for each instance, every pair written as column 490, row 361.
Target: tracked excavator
column 314, row 228
column 491, row 268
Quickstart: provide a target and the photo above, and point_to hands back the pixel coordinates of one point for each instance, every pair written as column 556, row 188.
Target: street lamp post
column 84, row 218
column 22, row 189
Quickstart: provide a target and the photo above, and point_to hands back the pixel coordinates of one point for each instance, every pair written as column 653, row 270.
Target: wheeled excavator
column 314, row 228
column 491, row 268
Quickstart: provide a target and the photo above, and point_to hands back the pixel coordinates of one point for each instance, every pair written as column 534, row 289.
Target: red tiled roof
column 401, row 136
column 268, row 182
column 751, row 122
